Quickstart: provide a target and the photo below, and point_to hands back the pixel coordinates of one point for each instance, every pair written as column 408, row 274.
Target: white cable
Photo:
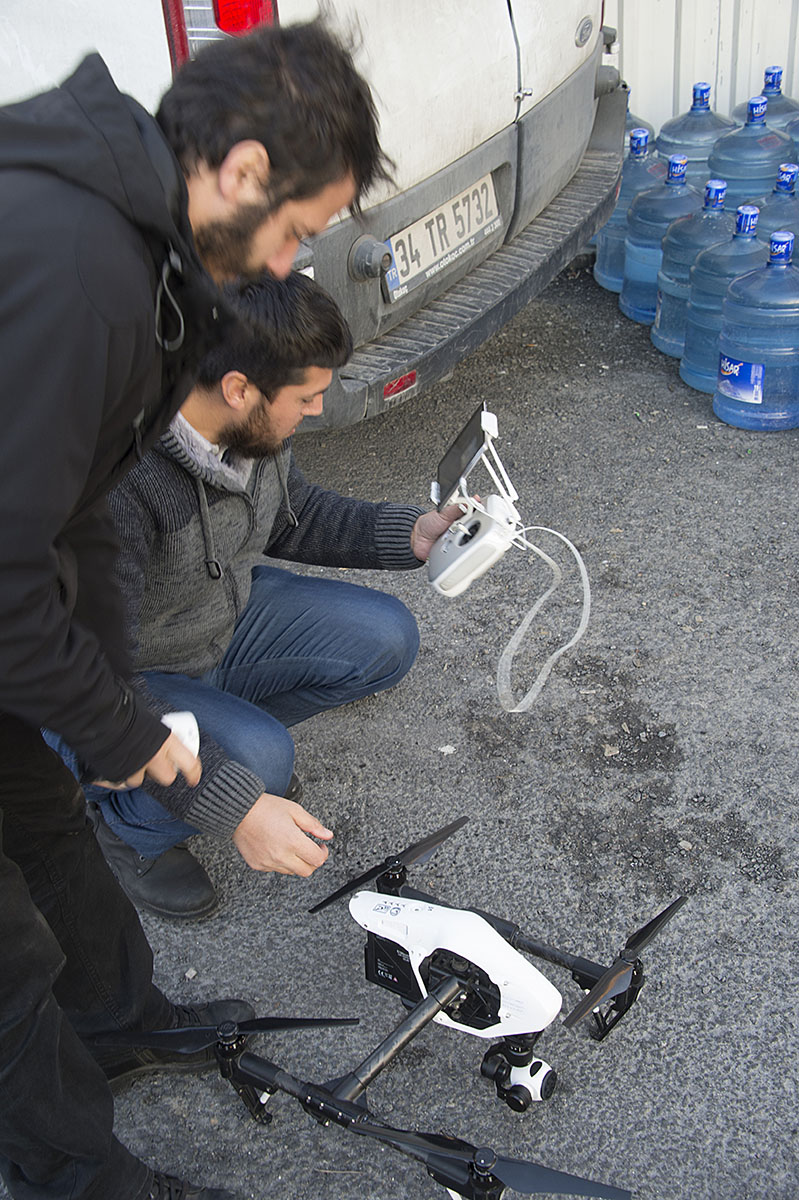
column 504, row 690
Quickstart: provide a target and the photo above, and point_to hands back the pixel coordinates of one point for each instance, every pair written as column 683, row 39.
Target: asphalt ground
column 658, row 761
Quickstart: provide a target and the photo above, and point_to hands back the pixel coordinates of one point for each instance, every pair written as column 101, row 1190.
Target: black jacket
column 97, row 266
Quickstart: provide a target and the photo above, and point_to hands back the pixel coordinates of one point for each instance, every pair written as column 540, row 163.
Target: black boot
column 166, row 1187
column 172, row 885
column 128, row 1062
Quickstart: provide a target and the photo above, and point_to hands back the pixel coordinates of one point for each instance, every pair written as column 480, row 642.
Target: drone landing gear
column 601, row 1022
column 519, row 1077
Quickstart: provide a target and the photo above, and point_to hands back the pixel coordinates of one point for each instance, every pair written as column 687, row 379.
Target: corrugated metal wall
column 665, row 46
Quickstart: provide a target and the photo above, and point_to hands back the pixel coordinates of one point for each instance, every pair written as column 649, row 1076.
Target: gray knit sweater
column 192, row 527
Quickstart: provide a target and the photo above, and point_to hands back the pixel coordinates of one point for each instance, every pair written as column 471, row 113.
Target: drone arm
column 356, row 1082
column 333, row 1102
column 250, row 1071
column 584, row 972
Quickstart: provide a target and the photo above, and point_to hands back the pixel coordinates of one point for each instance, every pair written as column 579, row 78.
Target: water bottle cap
column 746, row 219
column 786, row 177
column 781, row 247
column 756, row 110
column 715, row 191
column 772, row 80
column 701, row 95
column 677, row 167
column 639, row 142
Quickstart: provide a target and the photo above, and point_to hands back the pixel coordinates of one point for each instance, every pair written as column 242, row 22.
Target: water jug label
column 740, row 380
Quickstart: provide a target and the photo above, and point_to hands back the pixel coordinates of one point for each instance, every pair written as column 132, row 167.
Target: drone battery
column 389, row 965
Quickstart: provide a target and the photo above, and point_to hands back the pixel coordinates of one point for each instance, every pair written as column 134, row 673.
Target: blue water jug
column 758, row 379
column 780, row 208
column 749, row 158
column 632, row 122
column 642, row 169
column 684, row 239
column 711, row 275
column 781, row 109
column 694, row 134
column 649, row 216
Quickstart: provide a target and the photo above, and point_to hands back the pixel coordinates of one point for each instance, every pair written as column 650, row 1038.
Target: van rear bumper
column 435, row 339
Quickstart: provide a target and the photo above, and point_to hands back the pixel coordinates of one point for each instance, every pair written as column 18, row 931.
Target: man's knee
column 396, row 635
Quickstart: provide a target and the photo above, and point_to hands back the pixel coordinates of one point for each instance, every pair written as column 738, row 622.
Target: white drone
column 464, row 969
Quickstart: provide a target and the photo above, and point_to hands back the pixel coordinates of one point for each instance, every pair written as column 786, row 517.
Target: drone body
column 511, row 995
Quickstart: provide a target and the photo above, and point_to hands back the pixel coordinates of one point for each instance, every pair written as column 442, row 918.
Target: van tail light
column 240, row 16
column 190, row 24
column 401, row 384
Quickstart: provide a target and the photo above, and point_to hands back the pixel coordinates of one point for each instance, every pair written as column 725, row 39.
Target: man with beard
column 248, row 647
column 106, row 308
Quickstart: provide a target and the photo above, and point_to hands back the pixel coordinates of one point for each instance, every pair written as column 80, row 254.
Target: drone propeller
column 418, row 853
column 201, row 1037
column 454, row 1162
column 618, row 977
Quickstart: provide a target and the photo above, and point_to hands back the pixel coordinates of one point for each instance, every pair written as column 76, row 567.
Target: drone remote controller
column 481, row 536
column 471, row 545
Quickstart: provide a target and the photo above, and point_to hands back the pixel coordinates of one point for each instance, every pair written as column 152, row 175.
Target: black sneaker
column 127, row 1063
column 173, row 885
column 166, row 1187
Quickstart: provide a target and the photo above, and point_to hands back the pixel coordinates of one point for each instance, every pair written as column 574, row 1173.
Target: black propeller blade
column 442, row 1154
column 201, row 1037
column 618, row 977
column 419, row 852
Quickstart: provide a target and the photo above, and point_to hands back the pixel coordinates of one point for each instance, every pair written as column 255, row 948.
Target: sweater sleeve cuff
column 393, row 527
column 224, row 800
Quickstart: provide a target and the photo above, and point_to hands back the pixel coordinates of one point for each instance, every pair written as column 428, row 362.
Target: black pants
column 73, row 961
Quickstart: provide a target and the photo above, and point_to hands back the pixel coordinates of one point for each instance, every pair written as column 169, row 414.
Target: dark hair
column 287, row 325
column 295, row 89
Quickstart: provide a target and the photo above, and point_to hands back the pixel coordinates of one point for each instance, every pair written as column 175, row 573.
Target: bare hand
column 429, row 528
column 163, row 767
column 272, row 837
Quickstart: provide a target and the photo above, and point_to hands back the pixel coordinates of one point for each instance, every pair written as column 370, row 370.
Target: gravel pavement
column 659, row 760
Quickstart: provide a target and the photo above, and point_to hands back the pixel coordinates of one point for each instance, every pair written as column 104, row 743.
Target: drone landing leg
column 356, row 1082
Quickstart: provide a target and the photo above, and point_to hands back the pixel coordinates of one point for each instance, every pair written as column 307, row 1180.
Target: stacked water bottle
column 705, row 264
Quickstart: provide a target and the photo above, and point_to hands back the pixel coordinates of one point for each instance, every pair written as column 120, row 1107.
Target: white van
column 504, row 126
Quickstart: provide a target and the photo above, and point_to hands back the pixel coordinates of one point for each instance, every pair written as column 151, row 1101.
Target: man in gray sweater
column 219, row 630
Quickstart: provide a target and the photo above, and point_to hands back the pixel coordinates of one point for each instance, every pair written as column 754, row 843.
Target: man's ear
column 236, row 391
column 244, row 172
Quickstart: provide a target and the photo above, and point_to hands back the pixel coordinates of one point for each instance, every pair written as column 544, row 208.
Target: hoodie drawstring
column 281, row 474
column 212, row 564
column 172, row 263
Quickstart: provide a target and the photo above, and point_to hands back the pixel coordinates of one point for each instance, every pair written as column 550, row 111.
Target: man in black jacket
column 105, row 310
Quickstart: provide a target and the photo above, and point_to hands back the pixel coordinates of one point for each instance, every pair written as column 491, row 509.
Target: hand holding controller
column 471, row 545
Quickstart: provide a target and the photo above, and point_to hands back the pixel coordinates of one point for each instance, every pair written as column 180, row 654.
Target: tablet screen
column 461, row 456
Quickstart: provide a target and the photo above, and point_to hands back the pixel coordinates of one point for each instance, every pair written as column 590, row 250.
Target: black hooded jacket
column 97, row 273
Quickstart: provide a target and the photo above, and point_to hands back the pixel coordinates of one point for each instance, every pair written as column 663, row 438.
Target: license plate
column 442, row 237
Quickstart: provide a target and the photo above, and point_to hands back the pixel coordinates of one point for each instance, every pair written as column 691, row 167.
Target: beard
column 225, row 247
column 255, row 438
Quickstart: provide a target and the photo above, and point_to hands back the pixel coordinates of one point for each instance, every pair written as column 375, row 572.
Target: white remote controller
column 471, row 545
column 184, row 726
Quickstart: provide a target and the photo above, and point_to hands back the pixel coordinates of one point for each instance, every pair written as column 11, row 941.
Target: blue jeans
column 301, row 645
